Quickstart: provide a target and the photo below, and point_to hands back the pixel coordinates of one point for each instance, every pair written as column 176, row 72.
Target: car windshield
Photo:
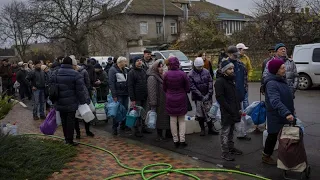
column 177, row 54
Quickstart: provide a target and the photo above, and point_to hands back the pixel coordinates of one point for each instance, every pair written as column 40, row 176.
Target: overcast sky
column 243, row 5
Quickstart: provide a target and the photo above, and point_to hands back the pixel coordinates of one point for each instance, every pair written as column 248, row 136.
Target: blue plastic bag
column 299, row 123
column 112, row 108
column 259, row 114
column 250, row 108
column 121, row 113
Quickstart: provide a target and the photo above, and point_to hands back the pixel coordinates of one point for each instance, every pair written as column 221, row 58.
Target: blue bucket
column 130, row 121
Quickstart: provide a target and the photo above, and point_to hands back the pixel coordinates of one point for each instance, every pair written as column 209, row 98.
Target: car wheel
column 304, row 82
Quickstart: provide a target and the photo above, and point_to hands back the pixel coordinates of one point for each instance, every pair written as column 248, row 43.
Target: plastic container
column 112, row 109
column 265, row 135
column 131, row 118
column 14, row 129
column 151, row 119
column 192, row 126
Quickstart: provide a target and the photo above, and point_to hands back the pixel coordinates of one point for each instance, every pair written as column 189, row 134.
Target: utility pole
column 163, row 20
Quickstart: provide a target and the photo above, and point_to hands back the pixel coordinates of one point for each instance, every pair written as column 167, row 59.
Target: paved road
column 207, row 148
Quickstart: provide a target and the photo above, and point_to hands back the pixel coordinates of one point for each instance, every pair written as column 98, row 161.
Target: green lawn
column 32, row 158
column 256, row 76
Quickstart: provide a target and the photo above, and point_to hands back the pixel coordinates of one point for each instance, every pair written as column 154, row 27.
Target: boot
column 227, row 156
column 183, row 144
column 201, row 123
column 210, row 129
column 267, row 159
column 203, row 132
column 90, row 134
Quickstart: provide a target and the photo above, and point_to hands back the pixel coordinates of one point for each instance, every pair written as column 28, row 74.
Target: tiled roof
column 198, row 7
column 151, row 7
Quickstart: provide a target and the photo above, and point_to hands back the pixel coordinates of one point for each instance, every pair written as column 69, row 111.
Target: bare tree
column 17, row 26
column 71, row 20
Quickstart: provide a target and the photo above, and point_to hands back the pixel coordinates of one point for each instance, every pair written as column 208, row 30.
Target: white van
column 307, row 59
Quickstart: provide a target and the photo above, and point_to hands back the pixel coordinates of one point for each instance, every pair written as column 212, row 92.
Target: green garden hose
column 157, row 172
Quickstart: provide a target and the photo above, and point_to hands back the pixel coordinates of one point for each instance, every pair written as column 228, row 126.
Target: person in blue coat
column 280, row 106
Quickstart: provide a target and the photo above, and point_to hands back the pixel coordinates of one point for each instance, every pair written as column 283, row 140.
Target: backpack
column 259, row 113
column 53, row 89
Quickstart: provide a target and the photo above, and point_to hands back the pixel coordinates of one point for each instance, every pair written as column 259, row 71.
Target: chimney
column 277, row 9
column 293, row 10
column 302, row 10
column 307, row 10
column 236, row 10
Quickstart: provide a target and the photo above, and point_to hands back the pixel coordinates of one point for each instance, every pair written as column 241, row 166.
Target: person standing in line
column 223, row 55
column 230, row 107
column 201, row 86
column 292, row 75
column 6, row 75
column 70, row 86
column 119, row 88
column 157, row 100
column 37, row 79
column 280, row 106
column 24, row 85
column 176, row 86
column 147, row 59
column 247, row 63
column 264, row 64
column 138, row 92
column 207, row 64
column 241, row 80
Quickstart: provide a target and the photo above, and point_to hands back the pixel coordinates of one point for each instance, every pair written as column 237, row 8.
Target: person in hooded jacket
column 279, row 104
column 176, row 86
column 230, row 107
column 101, row 83
column 109, row 65
column 138, row 91
column 24, row 85
column 201, row 86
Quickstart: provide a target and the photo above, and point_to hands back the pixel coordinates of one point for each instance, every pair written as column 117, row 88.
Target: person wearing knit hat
column 279, row 100
column 201, row 87
column 44, row 68
column 292, row 75
column 230, row 106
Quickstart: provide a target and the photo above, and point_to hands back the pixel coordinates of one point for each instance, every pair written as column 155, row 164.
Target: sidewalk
column 95, row 164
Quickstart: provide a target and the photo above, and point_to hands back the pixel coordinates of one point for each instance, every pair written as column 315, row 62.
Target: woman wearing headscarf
column 176, row 86
column 157, row 98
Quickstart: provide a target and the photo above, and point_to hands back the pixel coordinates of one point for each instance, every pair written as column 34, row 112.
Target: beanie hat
column 20, row 64
column 225, row 65
column 232, row 50
column 278, row 46
column 198, row 62
column 97, row 66
column 43, row 67
column 274, row 65
column 135, row 59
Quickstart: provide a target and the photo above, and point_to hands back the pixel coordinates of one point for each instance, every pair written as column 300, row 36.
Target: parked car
column 307, row 59
column 186, row 64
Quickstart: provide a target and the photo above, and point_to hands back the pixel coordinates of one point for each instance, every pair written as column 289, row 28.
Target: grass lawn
column 32, row 158
column 256, row 76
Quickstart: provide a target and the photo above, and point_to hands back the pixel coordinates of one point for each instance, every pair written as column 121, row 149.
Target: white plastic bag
column 240, row 129
column 214, row 110
column 151, row 119
column 250, row 108
column 300, row 124
column 92, row 108
column 86, row 113
column 58, row 118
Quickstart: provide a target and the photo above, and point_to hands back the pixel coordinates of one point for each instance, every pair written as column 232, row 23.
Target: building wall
column 232, row 26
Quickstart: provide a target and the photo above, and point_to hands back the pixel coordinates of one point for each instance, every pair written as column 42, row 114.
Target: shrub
column 6, row 105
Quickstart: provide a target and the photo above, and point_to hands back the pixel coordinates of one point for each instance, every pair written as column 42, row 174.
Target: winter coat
column 157, row 97
column 14, row 73
column 146, row 65
column 91, row 73
column 200, row 84
column 241, row 78
column 176, row 86
column 71, row 88
column 264, row 64
column 279, row 102
column 103, row 90
column 208, row 66
column 6, row 74
column 37, row 78
column 292, row 75
column 137, row 84
column 118, row 81
column 226, row 95
column 107, row 68
column 247, row 64
column 21, row 77
column 86, row 81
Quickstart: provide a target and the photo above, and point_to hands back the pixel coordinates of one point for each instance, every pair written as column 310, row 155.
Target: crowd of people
column 161, row 86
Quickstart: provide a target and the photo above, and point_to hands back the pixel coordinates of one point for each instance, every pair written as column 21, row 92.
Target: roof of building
column 200, row 7
column 7, row 52
column 150, row 7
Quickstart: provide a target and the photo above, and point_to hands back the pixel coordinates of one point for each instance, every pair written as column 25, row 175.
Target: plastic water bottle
column 14, row 129
column 133, row 112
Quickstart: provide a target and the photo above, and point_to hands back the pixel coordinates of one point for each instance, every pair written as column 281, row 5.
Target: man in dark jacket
column 138, row 91
column 101, row 83
column 119, row 88
column 24, row 85
column 147, row 59
column 279, row 103
column 37, row 81
column 241, row 80
column 264, row 64
column 223, row 55
column 109, row 65
column 71, row 89
column 6, row 76
column 230, row 107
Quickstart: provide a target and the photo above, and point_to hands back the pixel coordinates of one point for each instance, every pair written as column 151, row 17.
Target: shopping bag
column 213, row 110
column 112, row 108
column 250, row 108
column 58, row 118
column 121, row 113
column 49, row 126
column 259, row 113
column 86, row 113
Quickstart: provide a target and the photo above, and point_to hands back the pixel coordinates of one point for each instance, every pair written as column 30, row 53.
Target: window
column 316, row 55
column 158, row 56
column 143, row 28
column 173, row 27
column 159, row 27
